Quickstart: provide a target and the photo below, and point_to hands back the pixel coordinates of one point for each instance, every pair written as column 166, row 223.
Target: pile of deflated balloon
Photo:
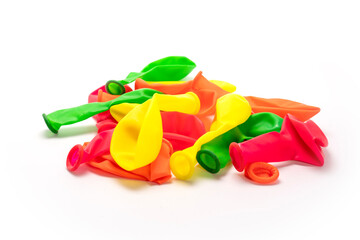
column 167, row 126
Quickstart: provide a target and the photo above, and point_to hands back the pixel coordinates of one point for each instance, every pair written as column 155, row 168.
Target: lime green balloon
column 171, row 68
column 215, row 155
column 77, row 114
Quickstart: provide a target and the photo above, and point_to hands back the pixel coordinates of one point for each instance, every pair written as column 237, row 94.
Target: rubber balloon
column 207, row 92
column 296, row 141
column 97, row 147
column 158, row 171
column 171, row 68
column 106, row 125
column 231, row 110
column 181, row 129
column 137, row 137
column 214, row 155
column 98, row 96
column 261, row 172
column 73, row 115
column 222, row 84
column 282, row 106
column 97, row 154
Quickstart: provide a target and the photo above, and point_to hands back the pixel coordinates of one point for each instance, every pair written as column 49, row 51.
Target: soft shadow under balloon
column 70, row 131
column 202, row 173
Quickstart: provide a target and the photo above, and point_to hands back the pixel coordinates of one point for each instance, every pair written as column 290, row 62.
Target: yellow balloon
column 121, row 110
column 137, row 138
column 231, row 110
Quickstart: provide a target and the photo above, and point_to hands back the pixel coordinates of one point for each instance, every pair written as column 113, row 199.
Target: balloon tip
column 114, row 87
column 74, row 157
column 48, row 124
column 208, row 160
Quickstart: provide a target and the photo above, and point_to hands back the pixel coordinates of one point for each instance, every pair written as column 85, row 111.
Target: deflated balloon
column 231, row 110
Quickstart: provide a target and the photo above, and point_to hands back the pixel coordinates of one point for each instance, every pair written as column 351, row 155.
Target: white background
column 54, row 53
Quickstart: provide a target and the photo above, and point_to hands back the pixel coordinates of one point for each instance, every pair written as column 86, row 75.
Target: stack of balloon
column 167, row 125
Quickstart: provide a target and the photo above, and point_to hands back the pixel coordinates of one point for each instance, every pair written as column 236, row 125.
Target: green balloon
column 69, row 116
column 215, row 155
column 172, row 68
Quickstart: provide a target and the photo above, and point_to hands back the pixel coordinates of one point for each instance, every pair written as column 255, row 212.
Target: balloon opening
column 114, row 87
column 75, row 157
column 208, row 160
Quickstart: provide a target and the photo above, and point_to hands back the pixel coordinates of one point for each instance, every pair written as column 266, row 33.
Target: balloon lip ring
column 77, row 149
column 121, row 87
column 213, row 157
column 177, row 173
column 251, row 174
column 48, row 124
column 236, row 156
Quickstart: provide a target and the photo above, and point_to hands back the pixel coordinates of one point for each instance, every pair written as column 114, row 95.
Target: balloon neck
column 115, row 87
column 75, row 157
column 53, row 127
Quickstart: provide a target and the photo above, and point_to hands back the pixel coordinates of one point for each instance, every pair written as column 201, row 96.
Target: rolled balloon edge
column 206, row 166
column 120, row 89
column 182, row 165
column 236, row 156
column 72, row 164
column 49, row 124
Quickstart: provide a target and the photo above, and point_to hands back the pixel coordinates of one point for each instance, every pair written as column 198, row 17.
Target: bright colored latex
column 207, row 92
column 222, row 84
column 97, row 154
column 98, row 96
column 214, row 155
column 106, row 125
column 262, row 173
column 231, row 110
column 93, row 96
column 119, row 111
column 137, row 137
column 181, row 129
column 171, row 68
column 98, row 146
column 296, row 141
column 73, row 115
column 282, row 106
column 158, row 171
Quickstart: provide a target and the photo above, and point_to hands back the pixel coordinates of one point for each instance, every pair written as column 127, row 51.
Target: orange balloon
column 207, row 91
column 281, row 107
column 104, row 96
column 158, row 171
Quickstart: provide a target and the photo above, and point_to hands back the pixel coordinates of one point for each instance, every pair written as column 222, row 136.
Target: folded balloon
column 169, row 124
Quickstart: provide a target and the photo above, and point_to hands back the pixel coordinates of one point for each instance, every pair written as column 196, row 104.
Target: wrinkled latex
column 282, row 106
column 93, row 96
column 222, row 84
column 73, row 115
column 207, row 92
column 231, row 110
column 171, row 68
column 137, row 138
column 119, row 111
column 98, row 146
column 214, row 155
column 158, row 171
column 98, row 96
column 296, row 141
column 181, row 129
column 106, row 125
column 262, row 173
column 97, row 154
